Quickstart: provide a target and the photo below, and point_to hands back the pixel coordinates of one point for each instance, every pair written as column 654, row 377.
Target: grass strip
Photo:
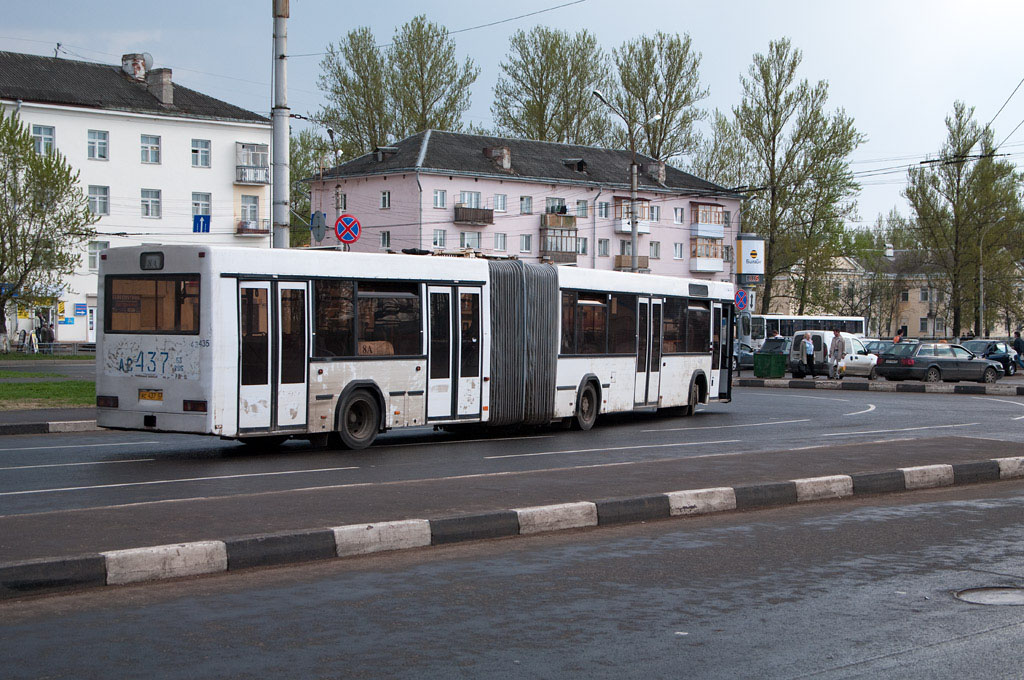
column 47, row 394
column 27, row 374
column 21, row 356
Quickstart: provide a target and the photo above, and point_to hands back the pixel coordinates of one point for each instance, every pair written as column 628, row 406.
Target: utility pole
column 634, row 265
column 281, row 189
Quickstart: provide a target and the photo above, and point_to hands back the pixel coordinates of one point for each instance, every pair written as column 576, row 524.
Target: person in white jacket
column 835, row 354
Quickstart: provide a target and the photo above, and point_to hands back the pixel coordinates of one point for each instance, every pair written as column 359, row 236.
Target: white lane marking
column 613, row 448
column 74, row 446
column 170, row 481
column 1005, row 401
column 902, row 429
column 720, row 427
column 869, row 409
column 468, row 441
column 96, row 462
column 807, row 396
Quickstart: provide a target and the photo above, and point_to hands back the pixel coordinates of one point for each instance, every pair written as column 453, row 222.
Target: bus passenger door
column 440, row 381
column 468, row 398
column 648, row 352
column 292, row 355
column 718, row 342
column 254, row 402
column 726, row 351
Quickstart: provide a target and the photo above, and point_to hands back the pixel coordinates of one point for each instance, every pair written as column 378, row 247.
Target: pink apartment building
column 447, row 192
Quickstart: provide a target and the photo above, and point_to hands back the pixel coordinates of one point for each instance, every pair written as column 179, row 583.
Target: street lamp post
column 633, row 180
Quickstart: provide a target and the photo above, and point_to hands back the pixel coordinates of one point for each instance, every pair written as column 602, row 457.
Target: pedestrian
column 1018, row 346
column 809, row 354
column 898, row 339
column 51, row 337
column 835, row 354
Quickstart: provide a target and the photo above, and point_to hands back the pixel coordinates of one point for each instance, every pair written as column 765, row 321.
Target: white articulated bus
column 261, row 345
column 752, row 329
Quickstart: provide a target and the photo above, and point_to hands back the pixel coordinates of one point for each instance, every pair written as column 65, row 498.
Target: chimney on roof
column 383, row 152
column 501, row 155
column 158, row 82
column 656, row 170
column 134, row 65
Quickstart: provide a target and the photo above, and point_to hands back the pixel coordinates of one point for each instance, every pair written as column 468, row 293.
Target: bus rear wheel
column 691, row 405
column 586, row 409
column 358, row 420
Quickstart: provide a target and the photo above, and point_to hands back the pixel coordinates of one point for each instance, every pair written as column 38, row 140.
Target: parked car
column 742, row 357
column 996, row 350
column 936, row 362
column 877, row 346
column 856, row 359
column 776, row 345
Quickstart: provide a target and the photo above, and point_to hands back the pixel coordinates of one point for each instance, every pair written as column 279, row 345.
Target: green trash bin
column 769, row 365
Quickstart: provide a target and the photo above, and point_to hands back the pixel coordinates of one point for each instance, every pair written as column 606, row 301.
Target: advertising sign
column 750, row 256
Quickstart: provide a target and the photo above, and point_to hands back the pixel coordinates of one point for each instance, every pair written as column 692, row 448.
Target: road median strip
column 151, row 563
column 880, row 386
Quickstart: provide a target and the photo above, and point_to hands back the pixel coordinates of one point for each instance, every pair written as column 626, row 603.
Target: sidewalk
column 47, row 420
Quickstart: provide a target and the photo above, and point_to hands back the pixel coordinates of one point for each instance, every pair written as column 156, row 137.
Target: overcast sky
column 896, row 66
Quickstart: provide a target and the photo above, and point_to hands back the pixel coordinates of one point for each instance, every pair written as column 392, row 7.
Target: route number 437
column 145, row 362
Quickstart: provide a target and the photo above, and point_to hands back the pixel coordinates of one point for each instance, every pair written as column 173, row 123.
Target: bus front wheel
column 358, row 420
column 586, row 409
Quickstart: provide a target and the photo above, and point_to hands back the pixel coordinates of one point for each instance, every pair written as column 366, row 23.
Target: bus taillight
column 190, row 405
column 106, row 402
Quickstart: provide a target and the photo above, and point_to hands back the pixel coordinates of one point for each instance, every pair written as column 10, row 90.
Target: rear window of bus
column 157, row 304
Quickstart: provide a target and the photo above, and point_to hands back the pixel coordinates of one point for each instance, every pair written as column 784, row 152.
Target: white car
column 856, row 358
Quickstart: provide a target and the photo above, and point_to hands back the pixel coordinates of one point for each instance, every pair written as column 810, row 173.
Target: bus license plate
column 151, row 395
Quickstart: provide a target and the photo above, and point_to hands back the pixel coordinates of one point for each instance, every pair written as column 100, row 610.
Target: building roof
column 48, row 80
column 440, row 152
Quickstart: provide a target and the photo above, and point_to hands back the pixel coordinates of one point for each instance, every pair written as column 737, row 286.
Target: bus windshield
column 757, row 327
column 158, row 304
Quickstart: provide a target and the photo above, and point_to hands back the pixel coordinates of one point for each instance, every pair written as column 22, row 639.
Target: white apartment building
column 160, row 163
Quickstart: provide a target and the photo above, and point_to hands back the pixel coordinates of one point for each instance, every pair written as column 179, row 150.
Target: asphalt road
column 849, row 589
column 84, row 492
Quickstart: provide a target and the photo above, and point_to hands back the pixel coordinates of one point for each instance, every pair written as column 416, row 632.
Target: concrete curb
column 879, row 386
column 205, row 557
column 49, row 428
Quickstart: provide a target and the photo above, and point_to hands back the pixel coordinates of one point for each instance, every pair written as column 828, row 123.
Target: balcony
column 706, row 265
column 557, row 221
column 707, row 230
column 624, row 263
column 558, row 246
column 252, row 174
column 245, row 227
column 477, row 217
column 622, row 226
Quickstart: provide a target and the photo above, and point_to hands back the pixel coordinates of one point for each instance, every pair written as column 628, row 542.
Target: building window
column 655, row 250
column 678, row 251
column 94, row 253
column 655, row 213
column 727, row 253
column 924, row 295
column 679, row 216
column 385, row 199
column 582, row 245
column 707, row 214
column 385, row 240
column 469, row 199
column 42, row 137
column 250, row 208
column 150, row 149
column 625, row 248
column 99, row 145
column 500, row 203
column 440, row 237
column 923, row 321
column 440, row 198
column 526, row 205
column 940, row 295
column 581, row 208
column 603, row 246
column 904, row 295
column 151, row 203
column 99, row 200
column 200, row 153
column 706, row 247
column 252, row 155
column 200, row 203
column 726, row 217
column 340, row 200
column 499, row 242
column 940, row 327
column 469, row 239
column 526, row 243
column 603, row 209
column 554, row 205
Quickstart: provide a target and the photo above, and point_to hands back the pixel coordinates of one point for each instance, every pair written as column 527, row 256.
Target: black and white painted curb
column 881, row 386
column 151, row 563
column 48, row 428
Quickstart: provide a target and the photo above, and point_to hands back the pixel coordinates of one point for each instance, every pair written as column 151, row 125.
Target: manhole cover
column 994, row 595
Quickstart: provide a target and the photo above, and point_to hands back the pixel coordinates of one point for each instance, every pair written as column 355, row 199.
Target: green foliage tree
column 44, row 218
column 722, row 157
column 659, row 74
column 965, row 206
column 799, row 164
column 545, row 88
column 354, row 79
column 428, row 87
column 309, row 155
